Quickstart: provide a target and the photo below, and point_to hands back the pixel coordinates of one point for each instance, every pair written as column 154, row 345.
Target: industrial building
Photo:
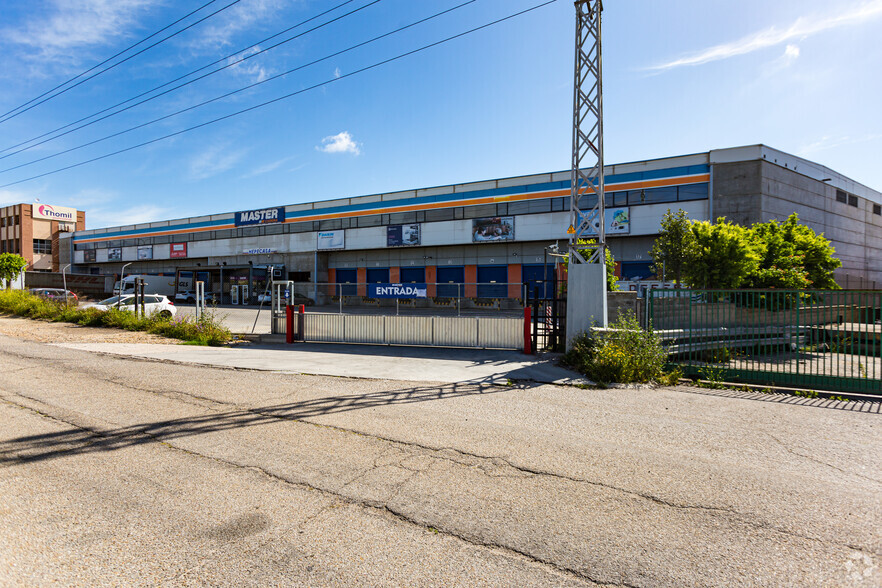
column 492, row 235
column 33, row 231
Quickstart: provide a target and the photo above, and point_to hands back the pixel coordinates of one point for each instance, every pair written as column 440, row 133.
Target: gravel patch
column 49, row 332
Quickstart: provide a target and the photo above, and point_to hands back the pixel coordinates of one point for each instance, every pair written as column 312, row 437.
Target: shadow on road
column 80, row 441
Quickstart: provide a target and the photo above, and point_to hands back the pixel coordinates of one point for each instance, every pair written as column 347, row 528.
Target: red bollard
column 289, row 324
column 528, row 340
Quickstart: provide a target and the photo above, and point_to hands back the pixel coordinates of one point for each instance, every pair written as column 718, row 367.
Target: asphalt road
column 117, row 471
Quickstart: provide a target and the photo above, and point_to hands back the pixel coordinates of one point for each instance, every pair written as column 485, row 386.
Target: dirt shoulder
column 48, row 332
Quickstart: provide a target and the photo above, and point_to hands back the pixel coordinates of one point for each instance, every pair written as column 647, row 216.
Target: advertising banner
column 260, row 217
column 114, row 254
column 330, row 240
column 145, row 252
column 618, row 221
column 396, row 290
column 177, row 250
column 498, row 228
column 56, row 213
column 90, row 255
column 402, row 235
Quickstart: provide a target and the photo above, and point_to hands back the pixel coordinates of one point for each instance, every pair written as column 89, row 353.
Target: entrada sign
column 260, row 217
column 397, row 290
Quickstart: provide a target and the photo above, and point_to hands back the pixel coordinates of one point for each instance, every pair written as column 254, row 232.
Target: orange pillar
column 431, row 278
column 332, row 277
column 394, row 275
column 515, row 289
column 471, row 279
column 361, row 278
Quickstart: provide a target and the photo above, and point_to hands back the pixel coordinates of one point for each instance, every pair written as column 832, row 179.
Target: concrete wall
column 748, row 192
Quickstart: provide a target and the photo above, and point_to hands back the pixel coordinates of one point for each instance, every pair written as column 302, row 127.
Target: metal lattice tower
column 587, row 180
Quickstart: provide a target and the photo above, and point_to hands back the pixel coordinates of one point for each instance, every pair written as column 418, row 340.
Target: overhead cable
column 179, row 78
column 284, row 97
column 110, row 67
column 228, row 94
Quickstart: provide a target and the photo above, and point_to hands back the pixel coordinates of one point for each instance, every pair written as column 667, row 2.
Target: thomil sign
column 56, row 213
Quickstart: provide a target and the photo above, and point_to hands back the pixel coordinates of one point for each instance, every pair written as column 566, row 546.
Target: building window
column 841, row 196
column 877, row 209
column 42, row 246
column 852, row 200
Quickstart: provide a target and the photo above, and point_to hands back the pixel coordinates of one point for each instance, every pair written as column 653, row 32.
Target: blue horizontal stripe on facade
column 378, row 206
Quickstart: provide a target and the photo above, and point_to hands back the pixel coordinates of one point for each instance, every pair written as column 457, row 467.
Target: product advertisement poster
column 618, row 221
column 402, row 235
column 330, row 240
column 498, row 228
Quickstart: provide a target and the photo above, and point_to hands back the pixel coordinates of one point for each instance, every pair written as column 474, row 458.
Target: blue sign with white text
column 260, row 217
column 397, row 290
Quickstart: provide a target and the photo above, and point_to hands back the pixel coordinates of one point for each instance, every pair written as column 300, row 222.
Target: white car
column 189, row 297
column 153, row 304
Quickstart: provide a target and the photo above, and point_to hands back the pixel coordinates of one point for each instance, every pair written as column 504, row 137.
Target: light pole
column 64, row 280
column 122, row 275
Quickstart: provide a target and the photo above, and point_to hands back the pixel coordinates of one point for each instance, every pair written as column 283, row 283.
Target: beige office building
column 32, row 231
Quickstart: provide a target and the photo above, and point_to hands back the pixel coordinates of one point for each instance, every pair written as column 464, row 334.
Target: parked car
column 296, row 299
column 189, row 297
column 55, row 294
column 153, row 304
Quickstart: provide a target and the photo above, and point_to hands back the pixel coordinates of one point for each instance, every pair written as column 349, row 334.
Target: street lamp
column 64, row 280
column 122, row 275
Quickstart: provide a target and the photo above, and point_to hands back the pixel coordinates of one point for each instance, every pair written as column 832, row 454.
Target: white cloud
column 74, row 24
column 249, row 68
column 337, row 72
column 341, row 143
column 214, row 160
column 802, row 28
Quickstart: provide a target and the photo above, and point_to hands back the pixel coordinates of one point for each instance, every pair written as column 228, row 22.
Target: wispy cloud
column 107, row 217
column 802, row 28
column 267, row 168
column 77, row 24
column 249, row 68
column 341, row 143
column 831, row 142
column 214, row 160
column 240, row 17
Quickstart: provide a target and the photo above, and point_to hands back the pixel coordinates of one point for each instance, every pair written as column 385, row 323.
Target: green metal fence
column 822, row 339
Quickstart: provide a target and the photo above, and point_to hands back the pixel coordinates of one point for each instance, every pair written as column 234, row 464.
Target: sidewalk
column 356, row 361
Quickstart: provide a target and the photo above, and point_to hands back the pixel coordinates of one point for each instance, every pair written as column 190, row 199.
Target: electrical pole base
column 586, row 298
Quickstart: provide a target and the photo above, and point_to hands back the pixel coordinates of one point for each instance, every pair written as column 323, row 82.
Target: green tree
column 670, row 252
column 792, row 255
column 720, row 255
column 612, row 282
column 11, row 265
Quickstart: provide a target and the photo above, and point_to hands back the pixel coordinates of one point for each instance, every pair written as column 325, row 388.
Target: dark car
column 57, row 294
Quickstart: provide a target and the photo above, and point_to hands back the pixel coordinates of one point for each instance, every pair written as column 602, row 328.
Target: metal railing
column 823, row 339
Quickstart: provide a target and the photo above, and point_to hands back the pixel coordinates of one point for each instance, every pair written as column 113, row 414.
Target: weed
column 625, row 353
column 206, row 330
column 806, row 393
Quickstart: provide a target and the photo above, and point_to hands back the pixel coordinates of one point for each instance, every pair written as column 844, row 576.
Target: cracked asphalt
column 117, row 471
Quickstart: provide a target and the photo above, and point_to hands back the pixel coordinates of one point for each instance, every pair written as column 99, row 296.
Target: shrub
column 625, row 353
column 207, row 330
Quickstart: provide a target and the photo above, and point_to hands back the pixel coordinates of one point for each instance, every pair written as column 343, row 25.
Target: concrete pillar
column 431, row 278
column 394, row 275
column 586, row 298
column 361, row 278
column 471, row 279
column 515, row 275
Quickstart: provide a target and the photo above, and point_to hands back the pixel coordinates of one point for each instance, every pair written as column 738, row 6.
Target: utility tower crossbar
column 587, row 218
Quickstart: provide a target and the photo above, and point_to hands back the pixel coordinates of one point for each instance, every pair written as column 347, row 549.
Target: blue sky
column 681, row 76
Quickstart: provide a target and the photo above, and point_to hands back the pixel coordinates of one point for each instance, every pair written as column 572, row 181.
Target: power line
column 179, row 78
column 96, row 66
column 228, row 94
column 106, row 69
column 284, row 97
column 231, row 64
